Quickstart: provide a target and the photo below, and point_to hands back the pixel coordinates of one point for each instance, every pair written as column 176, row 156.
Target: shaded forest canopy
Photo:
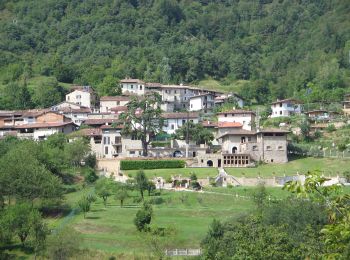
column 280, row 48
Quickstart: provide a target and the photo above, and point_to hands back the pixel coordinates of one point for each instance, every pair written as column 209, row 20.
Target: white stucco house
column 109, row 102
column 202, row 102
column 245, row 117
column 174, row 121
column 285, row 107
column 132, row 86
column 82, row 96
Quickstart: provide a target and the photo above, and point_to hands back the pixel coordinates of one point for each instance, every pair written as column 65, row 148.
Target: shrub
column 331, row 128
column 151, row 164
column 90, row 175
column 157, row 201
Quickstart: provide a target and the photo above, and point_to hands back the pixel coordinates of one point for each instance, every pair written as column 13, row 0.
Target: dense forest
column 279, row 48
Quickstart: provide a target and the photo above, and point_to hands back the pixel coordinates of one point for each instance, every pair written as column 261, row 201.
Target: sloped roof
column 288, row 100
column 101, row 121
column 115, row 98
column 44, row 125
column 237, row 111
column 229, row 125
column 132, row 81
column 238, row 132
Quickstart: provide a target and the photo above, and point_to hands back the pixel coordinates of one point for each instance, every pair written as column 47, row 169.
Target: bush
column 157, row 201
column 151, row 164
column 331, row 128
column 90, row 175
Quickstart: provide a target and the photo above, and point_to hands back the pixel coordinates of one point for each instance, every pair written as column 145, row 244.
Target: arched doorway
column 234, row 149
column 210, row 163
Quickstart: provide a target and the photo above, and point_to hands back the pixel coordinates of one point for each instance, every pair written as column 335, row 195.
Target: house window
column 191, row 105
column 106, row 149
column 255, row 148
column 131, row 86
column 268, row 148
column 280, row 112
column 174, row 91
column 280, row 148
column 249, row 138
column 183, row 121
column 132, row 152
column 280, row 104
column 172, row 127
column 140, row 87
column 134, row 137
column 225, row 115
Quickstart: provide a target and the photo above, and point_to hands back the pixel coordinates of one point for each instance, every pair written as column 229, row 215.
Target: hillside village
column 239, row 139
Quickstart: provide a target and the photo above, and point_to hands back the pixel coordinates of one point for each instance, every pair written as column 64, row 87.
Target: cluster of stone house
column 238, row 141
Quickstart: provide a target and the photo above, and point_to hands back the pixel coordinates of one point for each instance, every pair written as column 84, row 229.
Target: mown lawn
column 326, row 166
column 189, row 214
column 185, row 172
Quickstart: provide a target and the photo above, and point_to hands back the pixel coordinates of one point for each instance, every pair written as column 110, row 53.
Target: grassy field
column 189, row 214
column 327, row 166
column 185, row 172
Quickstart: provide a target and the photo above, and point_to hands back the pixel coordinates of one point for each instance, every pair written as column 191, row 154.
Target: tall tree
column 141, row 182
column 143, row 118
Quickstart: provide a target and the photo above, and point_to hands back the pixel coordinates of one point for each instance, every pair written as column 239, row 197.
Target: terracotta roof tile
column 237, row 111
column 44, row 125
column 229, row 125
column 180, row 115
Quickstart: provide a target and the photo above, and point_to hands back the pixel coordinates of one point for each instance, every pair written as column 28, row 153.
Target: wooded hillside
column 280, row 48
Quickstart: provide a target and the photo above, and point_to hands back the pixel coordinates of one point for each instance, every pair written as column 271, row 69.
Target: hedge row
column 151, row 164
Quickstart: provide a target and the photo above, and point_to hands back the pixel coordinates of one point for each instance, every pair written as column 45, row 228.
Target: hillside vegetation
column 271, row 48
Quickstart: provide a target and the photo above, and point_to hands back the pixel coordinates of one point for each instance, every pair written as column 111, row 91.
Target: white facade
column 246, row 118
column 286, row 107
column 106, row 103
column 80, row 97
column 41, row 131
column 203, row 102
column 174, row 121
column 132, row 86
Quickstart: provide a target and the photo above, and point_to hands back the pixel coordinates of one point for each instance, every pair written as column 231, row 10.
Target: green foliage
column 90, row 175
column 104, row 189
column 335, row 234
column 90, row 160
column 84, row 204
column 141, row 182
column 150, row 164
column 331, row 128
column 25, row 222
column 146, row 124
column 196, row 133
column 143, row 217
column 63, row 244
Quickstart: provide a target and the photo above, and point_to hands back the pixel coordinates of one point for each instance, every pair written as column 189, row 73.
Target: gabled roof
column 119, row 109
column 237, row 111
column 273, row 130
column 180, row 115
column 88, row 132
column 44, row 125
column 115, row 98
column 238, row 132
column 101, row 121
column 209, row 124
column 229, row 125
column 288, row 100
column 88, row 89
column 132, row 81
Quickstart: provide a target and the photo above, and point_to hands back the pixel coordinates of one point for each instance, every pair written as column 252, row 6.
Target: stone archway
column 234, row 149
column 210, row 163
